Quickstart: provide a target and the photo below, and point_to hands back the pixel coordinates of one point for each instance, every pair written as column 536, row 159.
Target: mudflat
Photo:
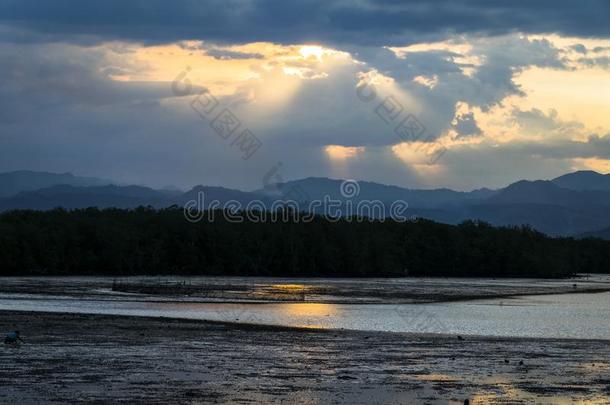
column 109, row 359
column 273, row 289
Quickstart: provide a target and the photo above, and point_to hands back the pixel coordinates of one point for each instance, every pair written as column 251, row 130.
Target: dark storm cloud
column 362, row 22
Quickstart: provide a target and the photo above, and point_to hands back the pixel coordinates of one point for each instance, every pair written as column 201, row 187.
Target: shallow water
column 579, row 316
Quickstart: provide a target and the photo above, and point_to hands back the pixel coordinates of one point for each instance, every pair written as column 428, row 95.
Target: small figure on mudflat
column 13, row 337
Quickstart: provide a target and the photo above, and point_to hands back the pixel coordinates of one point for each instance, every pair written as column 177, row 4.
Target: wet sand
column 103, row 359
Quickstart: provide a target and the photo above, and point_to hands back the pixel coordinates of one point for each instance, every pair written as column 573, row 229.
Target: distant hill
column 601, row 234
column 315, row 188
column 571, row 205
column 545, row 206
column 553, row 220
column 584, row 180
column 546, row 192
column 71, row 197
column 541, row 204
column 220, row 194
column 12, row 183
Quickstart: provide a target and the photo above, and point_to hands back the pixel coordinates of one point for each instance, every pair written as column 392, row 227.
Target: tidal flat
column 226, row 340
column 84, row 358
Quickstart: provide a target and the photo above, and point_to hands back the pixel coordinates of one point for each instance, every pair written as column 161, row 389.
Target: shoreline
column 303, row 329
column 285, row 290
column 266, row 302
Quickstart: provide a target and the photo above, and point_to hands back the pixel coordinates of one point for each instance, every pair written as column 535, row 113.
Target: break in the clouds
column 507, row 90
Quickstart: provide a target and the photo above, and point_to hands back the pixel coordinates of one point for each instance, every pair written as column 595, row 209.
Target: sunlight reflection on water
column 583, row 316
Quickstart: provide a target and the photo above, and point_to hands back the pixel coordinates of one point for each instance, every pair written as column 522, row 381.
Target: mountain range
column 24, row 180
column 575, row 204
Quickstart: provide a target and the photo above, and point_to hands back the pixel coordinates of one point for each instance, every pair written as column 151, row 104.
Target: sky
column 421, row 94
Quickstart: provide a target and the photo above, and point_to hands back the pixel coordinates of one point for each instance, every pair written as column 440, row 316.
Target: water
column 578, row 316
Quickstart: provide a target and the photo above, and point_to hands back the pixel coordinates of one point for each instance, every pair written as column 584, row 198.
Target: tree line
column 145, row 241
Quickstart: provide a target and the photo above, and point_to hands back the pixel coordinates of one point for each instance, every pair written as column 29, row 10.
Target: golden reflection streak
column 308, row 312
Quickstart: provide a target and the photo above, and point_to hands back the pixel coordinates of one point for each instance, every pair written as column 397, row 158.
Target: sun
column 312, row 50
